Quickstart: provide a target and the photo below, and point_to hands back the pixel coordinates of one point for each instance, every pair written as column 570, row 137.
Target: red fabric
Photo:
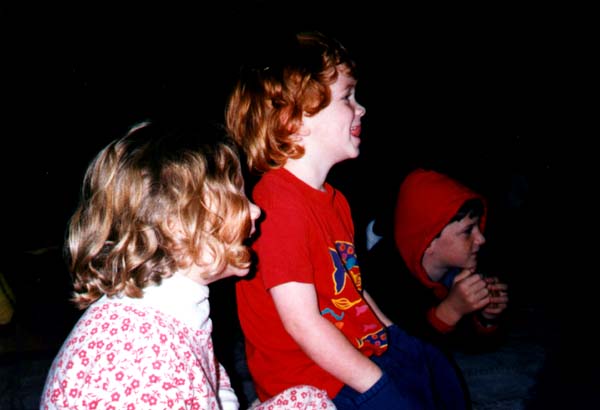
column 484, row 329
column 437, row 323
column 307, row 236
column 426, row 203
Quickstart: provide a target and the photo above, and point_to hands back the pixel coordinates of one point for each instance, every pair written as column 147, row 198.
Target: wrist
column 447, row 315
column 437, row 323
column 371, row 378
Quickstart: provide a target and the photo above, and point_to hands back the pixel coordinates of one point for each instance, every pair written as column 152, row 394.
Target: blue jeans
column 416, row 375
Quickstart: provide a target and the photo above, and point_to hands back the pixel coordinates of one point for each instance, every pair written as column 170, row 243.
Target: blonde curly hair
column 121, row 236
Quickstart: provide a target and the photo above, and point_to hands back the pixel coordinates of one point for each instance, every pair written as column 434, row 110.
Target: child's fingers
column 463, row 275
column 497, row 287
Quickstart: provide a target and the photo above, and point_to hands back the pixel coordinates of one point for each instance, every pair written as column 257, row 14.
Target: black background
column 494, row 95
column 484, row 93
column 497, row 95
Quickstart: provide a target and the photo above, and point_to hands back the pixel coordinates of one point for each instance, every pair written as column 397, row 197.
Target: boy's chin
column 472, row 266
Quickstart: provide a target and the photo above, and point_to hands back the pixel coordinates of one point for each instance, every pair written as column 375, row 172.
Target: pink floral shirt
column 126, row 354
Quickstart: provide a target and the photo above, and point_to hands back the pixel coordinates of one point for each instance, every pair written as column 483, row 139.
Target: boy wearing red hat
column 430, row 263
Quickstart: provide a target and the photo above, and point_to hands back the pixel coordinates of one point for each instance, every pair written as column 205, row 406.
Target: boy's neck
column 433, row 270
column 314, row 176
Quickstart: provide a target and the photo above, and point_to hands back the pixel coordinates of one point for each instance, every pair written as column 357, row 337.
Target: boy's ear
column 303, row 131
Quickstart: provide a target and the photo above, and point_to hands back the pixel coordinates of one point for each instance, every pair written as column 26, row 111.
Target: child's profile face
column 335, row 130
column 458, row 244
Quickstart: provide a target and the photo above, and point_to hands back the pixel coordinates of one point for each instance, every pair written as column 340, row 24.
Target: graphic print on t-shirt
column 346, row 277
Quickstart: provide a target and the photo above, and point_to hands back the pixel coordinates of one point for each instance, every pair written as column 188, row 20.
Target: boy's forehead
column 344, row 80
column 344, row 69
column 463, row 223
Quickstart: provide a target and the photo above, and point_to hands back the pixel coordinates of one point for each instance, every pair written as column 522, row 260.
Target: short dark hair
column 472, row 207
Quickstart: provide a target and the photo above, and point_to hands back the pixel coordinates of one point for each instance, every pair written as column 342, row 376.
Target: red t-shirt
column 306, row 236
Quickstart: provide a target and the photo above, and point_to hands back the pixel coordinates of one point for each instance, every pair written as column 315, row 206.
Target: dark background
column 481, row 92
column 495, row 95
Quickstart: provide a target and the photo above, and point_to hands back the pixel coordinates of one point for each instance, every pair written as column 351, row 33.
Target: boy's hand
column 498, row 298
column 467, row 294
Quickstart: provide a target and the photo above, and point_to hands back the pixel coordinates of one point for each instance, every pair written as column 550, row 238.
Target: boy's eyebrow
column 350, row 82
column 463, row 223
column 472, row 224
column 349, row 87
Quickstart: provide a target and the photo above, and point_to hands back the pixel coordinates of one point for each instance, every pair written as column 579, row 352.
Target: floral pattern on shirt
column 130, row 357
column 298, row 397
column 120, row 356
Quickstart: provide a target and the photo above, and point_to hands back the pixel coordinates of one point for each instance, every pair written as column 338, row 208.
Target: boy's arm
column 384, row 319
column 298, row 309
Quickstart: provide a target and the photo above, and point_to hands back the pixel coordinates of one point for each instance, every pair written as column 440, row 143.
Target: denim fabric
column 417, row 375
column 382, row 395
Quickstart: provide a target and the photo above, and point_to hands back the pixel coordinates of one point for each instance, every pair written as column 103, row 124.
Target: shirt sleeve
column 282, row 246
column 227, row 395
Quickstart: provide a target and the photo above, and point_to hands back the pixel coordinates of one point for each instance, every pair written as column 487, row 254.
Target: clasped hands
column 472, row 291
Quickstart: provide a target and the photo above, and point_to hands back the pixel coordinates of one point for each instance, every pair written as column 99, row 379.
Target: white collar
column 181, row 297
